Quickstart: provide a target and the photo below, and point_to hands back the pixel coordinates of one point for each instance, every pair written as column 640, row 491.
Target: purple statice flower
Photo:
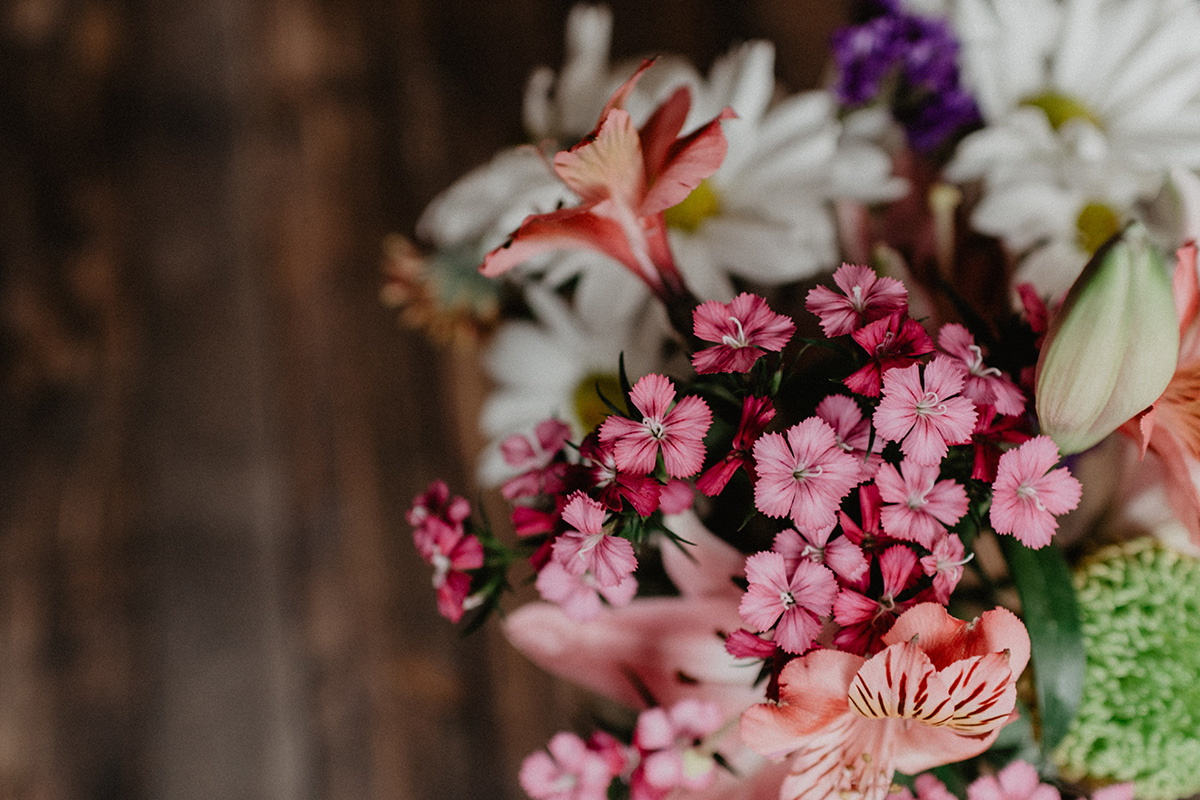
column 912, row 62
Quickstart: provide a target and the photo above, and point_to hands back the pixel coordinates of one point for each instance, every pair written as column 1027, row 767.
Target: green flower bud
column 1112, row 347
column 1139, row 717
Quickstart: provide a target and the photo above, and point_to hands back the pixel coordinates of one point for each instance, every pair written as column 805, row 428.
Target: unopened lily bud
column 1112, row 346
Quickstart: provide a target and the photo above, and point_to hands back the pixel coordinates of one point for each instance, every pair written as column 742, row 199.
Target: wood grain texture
column 211, row 428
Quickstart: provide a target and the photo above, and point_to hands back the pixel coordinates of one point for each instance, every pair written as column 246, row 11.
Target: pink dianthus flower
column 925, row 415
column 917, row 506
column 587, row 547
column 744, row 329
column 677, row 431
column 984, row 385
column 1028, row 493
column 804, row 475
column 866, row 298
column 795, row 599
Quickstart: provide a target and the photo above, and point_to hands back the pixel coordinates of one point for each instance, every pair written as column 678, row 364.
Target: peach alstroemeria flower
column 939, row 692
column 625, row 179
column 1170, row 428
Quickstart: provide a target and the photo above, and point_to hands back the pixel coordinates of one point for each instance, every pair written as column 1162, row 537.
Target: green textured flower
column 1139, row 719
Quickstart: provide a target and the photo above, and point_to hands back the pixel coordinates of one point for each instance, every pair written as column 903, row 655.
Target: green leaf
column 1051, row 614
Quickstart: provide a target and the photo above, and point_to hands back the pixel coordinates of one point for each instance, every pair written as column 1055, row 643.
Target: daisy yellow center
column 589, row 408
column 1061, row 108
column 698, row 206
column 1097, row 223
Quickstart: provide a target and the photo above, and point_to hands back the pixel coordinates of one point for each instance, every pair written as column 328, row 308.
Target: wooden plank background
column 209, row 426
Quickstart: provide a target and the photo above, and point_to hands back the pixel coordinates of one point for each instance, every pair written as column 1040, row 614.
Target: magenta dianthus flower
column 744, row 329
column 891, row 342
column 866, row 297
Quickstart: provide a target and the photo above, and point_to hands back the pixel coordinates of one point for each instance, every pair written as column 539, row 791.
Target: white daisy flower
column 1088, row 104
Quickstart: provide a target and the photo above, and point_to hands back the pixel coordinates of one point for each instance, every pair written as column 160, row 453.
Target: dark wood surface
column 210, row 428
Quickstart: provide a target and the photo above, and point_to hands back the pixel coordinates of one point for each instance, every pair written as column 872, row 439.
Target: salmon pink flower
column 625, row 178
column 939, row 692
column 918, row 507
column 756, row 413
column 925, row 416
column 891, row 342
column 1170, row 428
column 744, row 329
column 865, row 298
column 587, row 547
column 804, row 475
column 985, row 386
column 678, row 432
column 795, row 599
column 1028, row 493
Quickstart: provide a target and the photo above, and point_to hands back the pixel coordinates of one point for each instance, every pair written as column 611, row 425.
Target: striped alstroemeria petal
column 851, row 758
column 982, row 693
column 900, row 682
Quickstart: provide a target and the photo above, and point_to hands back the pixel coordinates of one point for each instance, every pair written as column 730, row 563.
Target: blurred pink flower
column 571, row 770
column 669, row 742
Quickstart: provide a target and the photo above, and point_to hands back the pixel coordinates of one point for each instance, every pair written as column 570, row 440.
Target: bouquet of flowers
column 850, row 438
